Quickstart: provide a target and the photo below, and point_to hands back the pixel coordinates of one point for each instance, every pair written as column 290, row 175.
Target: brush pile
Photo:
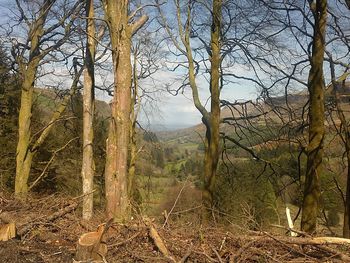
column 48, row 230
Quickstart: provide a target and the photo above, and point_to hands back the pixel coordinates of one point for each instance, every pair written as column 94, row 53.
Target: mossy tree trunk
column 213, row 132
column 40, row 45
column 116, row 171
column 27, row 71
column 88, row 169
column 211, row 119
column 316, row 86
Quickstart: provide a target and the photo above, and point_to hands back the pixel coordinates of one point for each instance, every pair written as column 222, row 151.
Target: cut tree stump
column 91, row 246
column 7, row 231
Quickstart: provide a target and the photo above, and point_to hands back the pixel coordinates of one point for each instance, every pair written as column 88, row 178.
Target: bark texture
column 135, row 102
column 87, row 171
column 213, row 124
column 27, row 71
column 116, row 171
column 40, row 45
column 316, row 87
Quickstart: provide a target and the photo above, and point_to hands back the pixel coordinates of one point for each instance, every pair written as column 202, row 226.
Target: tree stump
column 7, row 231
column 91, row 246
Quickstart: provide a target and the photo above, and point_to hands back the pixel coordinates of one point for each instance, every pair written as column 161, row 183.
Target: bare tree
column 147, row 55
column 211, row 118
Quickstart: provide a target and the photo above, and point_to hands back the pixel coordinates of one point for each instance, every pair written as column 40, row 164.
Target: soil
column 55, row 240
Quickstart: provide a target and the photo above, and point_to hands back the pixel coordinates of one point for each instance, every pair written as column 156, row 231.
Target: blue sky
column 168, row 112
column 179, row 111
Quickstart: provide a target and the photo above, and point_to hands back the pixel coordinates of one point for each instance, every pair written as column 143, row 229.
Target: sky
column 167, row 112
column 176, row 112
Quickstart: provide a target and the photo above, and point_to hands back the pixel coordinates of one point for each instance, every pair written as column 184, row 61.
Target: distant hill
column 51, row 98
column 195, row 132
column 275, row 109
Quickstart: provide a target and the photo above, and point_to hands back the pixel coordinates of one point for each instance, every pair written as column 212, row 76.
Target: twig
column 125, row 241
column 223, row 242
column 284, row 244
column 21, row 232
column 217, row 255
column 301, row 233
column 50, row 161
column 336, row 253
column 185, row 257
column 80, row 196
column 187, row 210
column 176, row 200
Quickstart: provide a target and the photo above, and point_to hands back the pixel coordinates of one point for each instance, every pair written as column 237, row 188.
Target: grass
column 153, row 190
column 174, row 166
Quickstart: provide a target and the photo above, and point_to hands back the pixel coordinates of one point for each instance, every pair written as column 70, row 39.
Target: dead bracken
column 48, row 229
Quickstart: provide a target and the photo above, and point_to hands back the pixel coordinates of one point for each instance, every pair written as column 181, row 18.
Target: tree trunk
column 316, row 87
column 346, row 225
column 118, row 139
column 116, row 172
column 134, row 114
column 213, row 132
column 28, row 71
column 87, row 171
column 24, row 154
column 344, row 128
column 25, row 150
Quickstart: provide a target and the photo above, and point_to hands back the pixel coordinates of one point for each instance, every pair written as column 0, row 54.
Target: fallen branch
column 26, row 227
column 125, row 241
column 217, row 255
column 298, row 232
column 186, row 256
column 153, row 233
column 286, row 242
column 320, row 242
column 336, row 253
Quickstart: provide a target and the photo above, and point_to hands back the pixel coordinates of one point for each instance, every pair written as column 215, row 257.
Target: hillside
column 273, row 110
column 251, row 195
column 241, row 111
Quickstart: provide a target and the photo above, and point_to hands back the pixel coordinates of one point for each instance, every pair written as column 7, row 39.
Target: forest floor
column 48, row 230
